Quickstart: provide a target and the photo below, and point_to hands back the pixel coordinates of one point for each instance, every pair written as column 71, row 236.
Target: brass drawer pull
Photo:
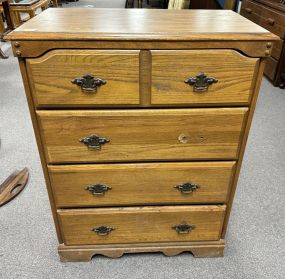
column 187, row 188
column 183, row 228
column 201, row 82
column 94, row 141
column 98, row 189
column 248, row 10
column 88, row 83
column 102, row 230
column 270, row 21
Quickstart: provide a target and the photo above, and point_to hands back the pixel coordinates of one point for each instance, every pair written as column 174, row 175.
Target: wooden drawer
column 135, row 184
column 141, row 135
column 271, row 68
column 264, row 16
column 170, row 69
column 141, row 224
column 51, row 76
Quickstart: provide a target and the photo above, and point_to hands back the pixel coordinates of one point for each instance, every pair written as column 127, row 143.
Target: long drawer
column 141, row 224
column 141, row 135
column 141, row 184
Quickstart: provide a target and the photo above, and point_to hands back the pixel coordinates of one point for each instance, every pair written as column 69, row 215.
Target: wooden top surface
column 139, row 24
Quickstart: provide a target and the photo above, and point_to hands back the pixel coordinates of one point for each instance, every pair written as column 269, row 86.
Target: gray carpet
column 255, row 240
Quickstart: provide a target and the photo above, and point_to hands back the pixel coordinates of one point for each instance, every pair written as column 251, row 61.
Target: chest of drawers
column 270, row 14
column 141, row 119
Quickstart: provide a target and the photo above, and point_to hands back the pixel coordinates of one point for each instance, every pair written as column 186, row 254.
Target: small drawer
column 270, row 19
column 207, row 77
column 74, row 136
column 141, row 184
column 271, row 68
column 141, row 224
column 74, row 78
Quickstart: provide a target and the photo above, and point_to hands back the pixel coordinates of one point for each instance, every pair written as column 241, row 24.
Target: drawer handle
column 201, row 82
column 270, row 21
column 102, row 230
column 187, row 188
column 88, row 83
column 94, row 141
column 248, row 10
column 98, row 189
column 183, row 228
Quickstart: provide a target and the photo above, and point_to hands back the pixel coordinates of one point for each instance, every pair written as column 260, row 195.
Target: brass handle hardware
column 88, row 83
column 248, row 10
column 270, row 21
column 94, row 141
column 98, row 189
column 183, row 228
column 102, row 230
column 201, row 82
column 187, row 188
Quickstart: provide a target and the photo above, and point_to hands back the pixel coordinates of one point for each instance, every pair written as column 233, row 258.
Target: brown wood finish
column 277, row 49
column 171, row 68
column 144, row 142
column 243, row 142
column 271, row 68
column 270, row 15
column 25, row 79
column 145, row 135
column 62, row 24
column 141, row 224
column 84, row 253
column 36, row 48
column 141, row 184
column 52, row 73
column 266, row 17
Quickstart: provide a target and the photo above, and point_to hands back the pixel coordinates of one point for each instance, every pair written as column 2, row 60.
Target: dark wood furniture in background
column 141, row 131
column 214, row 4
column 270, row 14
column 7, row 14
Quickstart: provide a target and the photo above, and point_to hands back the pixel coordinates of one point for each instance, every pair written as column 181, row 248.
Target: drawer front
column 271, row 68
column 268, row 18
column 141, row 135
column 53, row 78
column 135, row 184
column 277, row 49
column 141, row 224
column 177, row 79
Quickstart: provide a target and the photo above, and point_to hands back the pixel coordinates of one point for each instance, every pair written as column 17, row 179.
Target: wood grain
column 139, row 24
column 263, row 16
column 38, row 48
column 142, row 135
column 38, row 137
column 51, row 75
column 171, row 68
column 84, row 253
column 141, row 224
column 141, row 184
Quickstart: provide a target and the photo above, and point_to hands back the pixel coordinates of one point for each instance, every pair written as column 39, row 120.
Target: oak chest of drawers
column 141, row 119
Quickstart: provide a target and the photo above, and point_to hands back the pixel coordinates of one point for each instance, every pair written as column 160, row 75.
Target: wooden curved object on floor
column 13, row 185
